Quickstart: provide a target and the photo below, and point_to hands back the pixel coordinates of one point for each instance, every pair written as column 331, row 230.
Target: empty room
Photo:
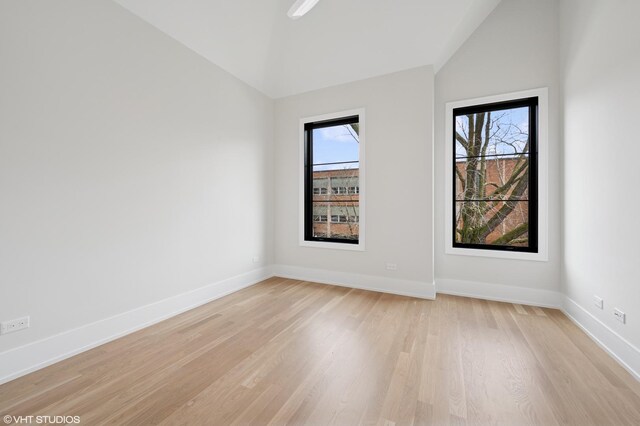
column 319, row 212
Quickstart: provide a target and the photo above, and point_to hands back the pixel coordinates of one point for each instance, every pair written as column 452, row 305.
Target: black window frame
column 309, row 127
column 533, row 198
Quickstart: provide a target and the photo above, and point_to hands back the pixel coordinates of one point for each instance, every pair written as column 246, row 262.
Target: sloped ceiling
column 337, row 42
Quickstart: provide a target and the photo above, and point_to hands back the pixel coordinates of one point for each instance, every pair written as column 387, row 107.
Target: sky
column 510, row 131
column 335, row 144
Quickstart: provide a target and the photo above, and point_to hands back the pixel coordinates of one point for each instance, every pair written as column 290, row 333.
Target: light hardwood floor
column 291, row 352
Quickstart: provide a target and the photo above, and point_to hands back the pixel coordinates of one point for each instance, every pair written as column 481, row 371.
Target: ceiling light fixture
column 300, row 7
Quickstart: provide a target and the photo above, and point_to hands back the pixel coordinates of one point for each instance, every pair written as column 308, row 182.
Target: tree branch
column 512, row 235
column 462, row 141
column 505, row 210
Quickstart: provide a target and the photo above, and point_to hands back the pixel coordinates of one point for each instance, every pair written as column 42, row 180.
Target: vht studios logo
column 42, row 420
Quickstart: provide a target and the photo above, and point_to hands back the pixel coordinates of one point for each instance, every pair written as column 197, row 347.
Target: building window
column 332, row 172
column 495, row 176
column 343, row 218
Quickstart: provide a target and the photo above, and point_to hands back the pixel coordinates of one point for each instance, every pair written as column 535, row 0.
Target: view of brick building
column 336, row 204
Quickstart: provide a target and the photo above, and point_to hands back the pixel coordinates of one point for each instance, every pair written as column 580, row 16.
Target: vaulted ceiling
column 336, row 42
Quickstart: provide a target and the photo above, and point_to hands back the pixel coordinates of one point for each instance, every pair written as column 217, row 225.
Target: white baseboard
column 423, row 290
column 623, row 351
column 34, row 356
column 500, row 292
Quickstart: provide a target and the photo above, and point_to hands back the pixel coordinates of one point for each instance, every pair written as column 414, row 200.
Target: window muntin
column 332, row 165
column 495, row 197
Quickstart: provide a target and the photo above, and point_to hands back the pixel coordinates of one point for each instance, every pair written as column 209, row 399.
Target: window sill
column 335, row 246
column 498, row 254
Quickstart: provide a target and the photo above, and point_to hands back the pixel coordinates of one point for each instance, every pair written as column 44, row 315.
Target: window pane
column 320, row 182
column 341, row 203
column 341, row 220
column 503, row 223
column 501, row 178
column 502, row 133
column 336, row 147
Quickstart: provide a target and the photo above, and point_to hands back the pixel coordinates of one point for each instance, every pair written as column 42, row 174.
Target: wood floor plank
column 293, row 352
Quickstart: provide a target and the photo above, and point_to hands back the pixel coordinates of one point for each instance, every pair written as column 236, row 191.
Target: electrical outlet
column 392, row 266
column 256, row 259
column 598, row 301
column 620, row 316
column 14, row 325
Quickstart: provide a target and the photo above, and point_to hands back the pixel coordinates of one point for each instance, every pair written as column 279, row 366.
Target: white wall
column 514, row 49
column 398, row 110
column 131, row 169
column 601, row 69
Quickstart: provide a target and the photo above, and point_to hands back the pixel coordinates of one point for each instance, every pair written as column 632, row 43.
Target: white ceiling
column 337, row 42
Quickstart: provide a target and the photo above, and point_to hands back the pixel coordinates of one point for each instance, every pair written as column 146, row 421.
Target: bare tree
column 491, row 144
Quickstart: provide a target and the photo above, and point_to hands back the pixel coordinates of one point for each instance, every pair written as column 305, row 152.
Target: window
column 320, row 186
column 344, row 218
column 496, row 195
column 495, row 176
column 332, row 178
